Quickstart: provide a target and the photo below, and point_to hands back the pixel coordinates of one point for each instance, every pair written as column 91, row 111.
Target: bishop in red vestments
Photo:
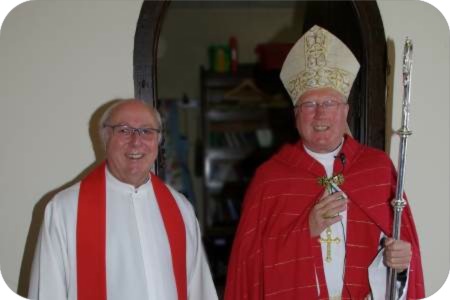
column 317, row 217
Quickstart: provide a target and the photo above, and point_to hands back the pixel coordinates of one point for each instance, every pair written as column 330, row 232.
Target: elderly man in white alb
column 121, row 233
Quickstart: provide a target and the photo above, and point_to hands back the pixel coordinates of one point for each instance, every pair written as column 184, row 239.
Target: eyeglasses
column 327, row 106
column 126, row 132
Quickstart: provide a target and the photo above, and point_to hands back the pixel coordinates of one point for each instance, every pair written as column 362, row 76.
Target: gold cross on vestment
column 328, row 182
column 329, row 240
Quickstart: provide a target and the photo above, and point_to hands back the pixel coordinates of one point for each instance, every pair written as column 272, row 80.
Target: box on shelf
column 272, row 55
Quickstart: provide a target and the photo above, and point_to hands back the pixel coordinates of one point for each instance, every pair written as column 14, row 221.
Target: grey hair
column 106, row 116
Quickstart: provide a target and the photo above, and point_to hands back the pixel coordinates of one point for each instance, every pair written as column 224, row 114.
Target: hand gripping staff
column 399, row 203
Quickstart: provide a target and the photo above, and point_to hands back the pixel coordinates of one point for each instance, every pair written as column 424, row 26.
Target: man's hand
column 325, row 212
column 397, row 254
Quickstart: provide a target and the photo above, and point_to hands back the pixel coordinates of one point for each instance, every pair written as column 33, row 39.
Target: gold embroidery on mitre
column 318, row 73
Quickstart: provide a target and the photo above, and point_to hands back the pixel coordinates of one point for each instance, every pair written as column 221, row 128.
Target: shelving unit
column 246, row 116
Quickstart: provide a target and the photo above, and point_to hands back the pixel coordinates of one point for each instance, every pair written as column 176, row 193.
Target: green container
column 219, row 58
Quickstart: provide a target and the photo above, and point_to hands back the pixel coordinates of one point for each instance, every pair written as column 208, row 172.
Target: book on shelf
column 237, row 139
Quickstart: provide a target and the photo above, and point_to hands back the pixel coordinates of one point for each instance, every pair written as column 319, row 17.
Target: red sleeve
column 244, row 268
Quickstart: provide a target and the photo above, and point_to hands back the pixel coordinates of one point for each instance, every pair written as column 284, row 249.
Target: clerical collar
column 325, row 159
column 116, row 183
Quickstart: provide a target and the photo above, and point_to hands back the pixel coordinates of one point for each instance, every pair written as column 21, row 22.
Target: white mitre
column 318, row 60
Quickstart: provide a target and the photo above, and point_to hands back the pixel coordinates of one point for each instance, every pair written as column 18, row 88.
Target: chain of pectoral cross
column 329, row 184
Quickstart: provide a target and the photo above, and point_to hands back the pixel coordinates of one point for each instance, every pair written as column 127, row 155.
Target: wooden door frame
column 373, row 83
column 372, row 112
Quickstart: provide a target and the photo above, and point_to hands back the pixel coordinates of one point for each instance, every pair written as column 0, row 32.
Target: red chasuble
column 91, row 235
column 274, row 256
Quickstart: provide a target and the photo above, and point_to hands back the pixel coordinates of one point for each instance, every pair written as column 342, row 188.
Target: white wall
column 60, row 60
column 427, row 165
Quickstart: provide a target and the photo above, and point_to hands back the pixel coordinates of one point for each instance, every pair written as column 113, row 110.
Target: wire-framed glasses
column 328, row 106
column 126, row 132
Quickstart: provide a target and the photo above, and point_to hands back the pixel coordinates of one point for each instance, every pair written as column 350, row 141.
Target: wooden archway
column 357, row 23
column 145, row 58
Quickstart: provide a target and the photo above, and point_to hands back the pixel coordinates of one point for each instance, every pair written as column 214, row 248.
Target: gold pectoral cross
column 328, row 183
column 329, row 240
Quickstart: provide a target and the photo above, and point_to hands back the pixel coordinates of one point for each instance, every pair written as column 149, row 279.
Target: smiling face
column 322, row 128
column 130, row 158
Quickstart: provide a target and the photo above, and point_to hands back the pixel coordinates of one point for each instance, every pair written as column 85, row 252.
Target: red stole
column 91, row 235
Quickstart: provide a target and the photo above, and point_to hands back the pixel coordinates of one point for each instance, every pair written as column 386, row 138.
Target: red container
column 272, row 55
